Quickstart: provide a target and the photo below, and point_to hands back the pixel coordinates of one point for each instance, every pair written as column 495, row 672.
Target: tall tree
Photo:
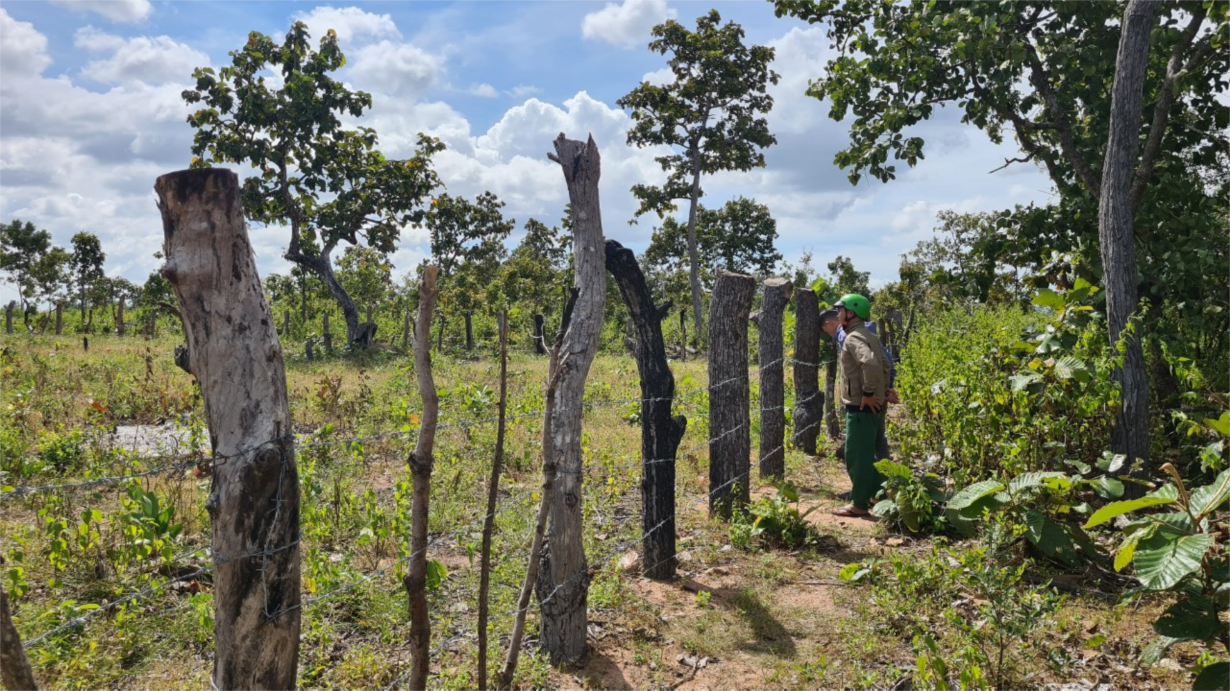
column 467, row 243
column 87, row 265
column 1044, row 72
column 710, row 114
column 23, row 249
column 331, row 184
column 536, row 271
column 738, row 237
column 847, row 279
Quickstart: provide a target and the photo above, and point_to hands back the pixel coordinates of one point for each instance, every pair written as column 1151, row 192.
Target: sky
column 91, row 115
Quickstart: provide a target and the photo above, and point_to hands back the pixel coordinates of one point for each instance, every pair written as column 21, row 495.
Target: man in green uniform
column 864, row 387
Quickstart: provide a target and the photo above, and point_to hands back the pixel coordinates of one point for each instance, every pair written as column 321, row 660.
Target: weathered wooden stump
column 730, row 431
column 808, row 403
column 772, row 378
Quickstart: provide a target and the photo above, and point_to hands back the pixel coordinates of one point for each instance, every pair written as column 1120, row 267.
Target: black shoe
column 844, row 495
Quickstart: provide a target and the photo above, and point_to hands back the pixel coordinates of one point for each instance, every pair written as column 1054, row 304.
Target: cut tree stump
column 563, row 585
column 235, row 355
column 730, row 433
column 772, row 378
column 808, row 402
column 660, row 432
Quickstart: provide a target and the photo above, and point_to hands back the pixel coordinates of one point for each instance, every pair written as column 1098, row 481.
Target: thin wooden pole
column 489, row 521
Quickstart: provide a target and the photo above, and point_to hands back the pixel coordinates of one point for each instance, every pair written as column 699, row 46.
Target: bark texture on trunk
column 15, row 670
column 730, row 432
column 563, row 587
column 59, row 318
column 328, row 335
column 1130, row 434
column 773, row 378
column 693, row 258
column 660, row 432
column 8, row 319
column 469, row 331
column 493, row 488
column 237, row 360
column 808, row 403
column 119, row 318
column 421, row 461
column 405, row 329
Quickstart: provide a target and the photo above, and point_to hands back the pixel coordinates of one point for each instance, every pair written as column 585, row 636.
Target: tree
column 711, row 113
column 87, row 265
column 329, row 183
column 23, row 249
column 738, row 237
column 1044, row 72
column 365, row 274
column 536, row 271
column 965, row 261
column 467, row 243
column 847, row 279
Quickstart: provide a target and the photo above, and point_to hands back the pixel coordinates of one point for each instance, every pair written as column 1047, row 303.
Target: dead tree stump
column 59, row 318
column 660, row 432
column 8, row 318
column 563, row 585
column 730, row 432
column 540, row 339
column 328, row 336
column 808, row 403
column 235, row 355
column 119, row 318
column 773, row 378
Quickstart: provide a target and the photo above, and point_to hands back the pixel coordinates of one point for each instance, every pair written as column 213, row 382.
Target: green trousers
column 862, row 428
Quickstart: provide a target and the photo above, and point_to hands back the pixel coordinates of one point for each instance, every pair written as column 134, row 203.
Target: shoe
column 844, row 495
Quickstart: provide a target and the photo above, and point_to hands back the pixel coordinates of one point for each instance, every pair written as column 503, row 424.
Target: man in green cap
column 864, row 390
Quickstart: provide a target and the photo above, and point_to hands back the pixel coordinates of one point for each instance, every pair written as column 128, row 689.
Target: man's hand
column 870, row 402
column 891, row 397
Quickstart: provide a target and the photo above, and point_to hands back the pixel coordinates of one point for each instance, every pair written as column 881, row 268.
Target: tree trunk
column 328, row 335
column 469, row 331
column 808, row 403
column 563, row 587
column 832, row 428
column 83, row 307
column 730, row 448
column 660, row 432
column 59, row 318
column 322, row 266
column 15, row 670
column 540, row 339
column 493, row 488
column 1130, row 434
column 119, row 318
column 772, row 378
column 683, row 335
column 405, row 330
column 421, row 461
column 286, row 324
column 693, row 257
column 440, row 336
column 8, row 318
column 237, row 360
column 547, row 500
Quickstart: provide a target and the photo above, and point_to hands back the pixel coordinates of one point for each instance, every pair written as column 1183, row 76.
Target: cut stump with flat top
column 234, row 353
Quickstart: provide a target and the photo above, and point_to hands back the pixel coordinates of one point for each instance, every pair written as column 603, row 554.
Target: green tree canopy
column 329, row 183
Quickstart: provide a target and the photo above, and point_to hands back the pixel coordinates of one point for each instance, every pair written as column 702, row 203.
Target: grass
column 773, row 617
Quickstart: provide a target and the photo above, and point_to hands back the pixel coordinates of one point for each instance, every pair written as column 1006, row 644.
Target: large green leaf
column 972, row 493
column 1164, row 558
column 1155, row 650
column 1192, row 617
column 1048, row 298
column 1050, row 537
column 1221, row 424
column 1030, row 480
column 1118, row 508
column 1206, row 499
column 1215, row 677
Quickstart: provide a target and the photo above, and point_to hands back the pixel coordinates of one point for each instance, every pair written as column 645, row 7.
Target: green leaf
column 1221, row 424
column 436, row 573
column 1192, row 617
column 1155, row 650
column 1026, row 481
column 1118, row 508
column 1106, row 487
column 1164, row 559
column 972, row 493
column 1123, row 557
column 854, row 572
column 1215, row 677
column 1205, row 500
column 1048, row 298
column 1050, row 537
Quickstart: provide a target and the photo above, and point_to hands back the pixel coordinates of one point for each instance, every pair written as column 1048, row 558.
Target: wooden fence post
column 15, row 670
column 286, row 324
column 563, row 586
column 772, row 378
column 405, row 330
column 469, row 330
column 660, row 433
column 421, row 461
column 683, row 335
column 327, row 335
column 59, row 318
column 236, row 357
column 808, row 403
column 730, row 431
column 119, row 318
column 493, row 488
column 540, row 338
column 8, row 318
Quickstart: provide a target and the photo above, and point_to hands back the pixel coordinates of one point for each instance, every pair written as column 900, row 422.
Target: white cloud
column 483, row 91
column 351, row 24
column 152, row 60
column 394, row 68
column 627, row 25
column 23, row 50
column 115, row 10
column 524, row 90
